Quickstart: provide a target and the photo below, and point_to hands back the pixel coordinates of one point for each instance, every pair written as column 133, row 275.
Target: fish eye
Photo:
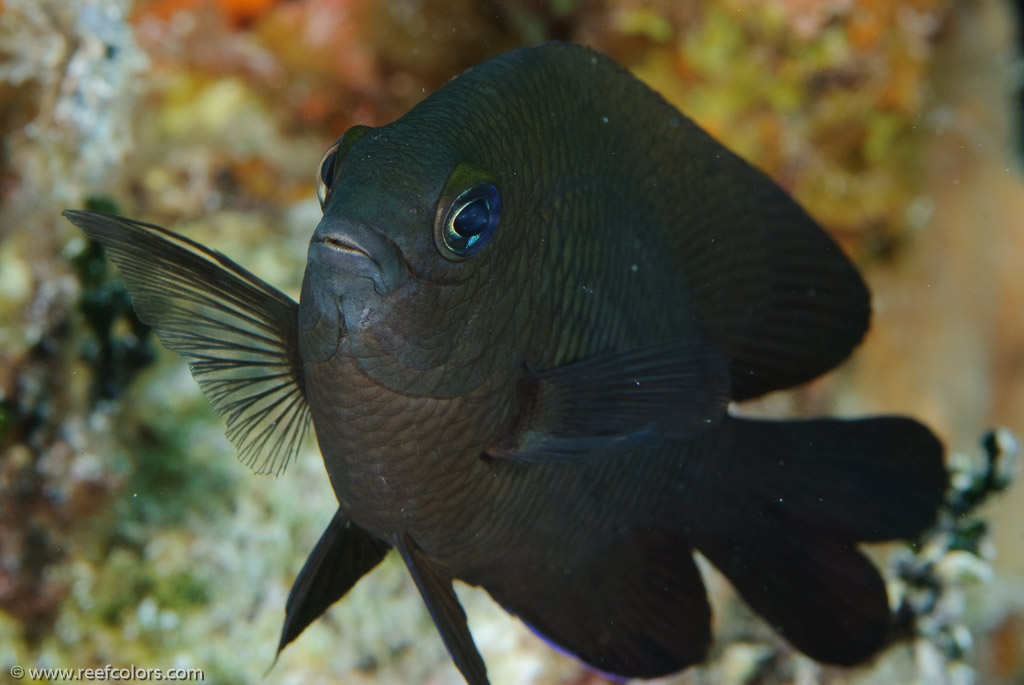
column 472, row 220
column 467, row 216
column 325, row 174
column 329, row 163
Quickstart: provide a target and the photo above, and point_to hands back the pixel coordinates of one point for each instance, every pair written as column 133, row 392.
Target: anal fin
column 632, row 605
column 784, row 504
column 823, row 595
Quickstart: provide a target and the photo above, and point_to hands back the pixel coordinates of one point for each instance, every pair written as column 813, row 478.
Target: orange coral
column 237, row 12
column 244, row 11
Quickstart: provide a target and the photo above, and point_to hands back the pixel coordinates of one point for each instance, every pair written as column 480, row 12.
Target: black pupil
column 473, row 218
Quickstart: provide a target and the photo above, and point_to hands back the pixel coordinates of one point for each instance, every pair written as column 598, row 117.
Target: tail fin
column 784, row 506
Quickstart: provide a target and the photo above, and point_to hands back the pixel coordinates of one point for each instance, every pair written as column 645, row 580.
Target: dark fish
column 525, row 311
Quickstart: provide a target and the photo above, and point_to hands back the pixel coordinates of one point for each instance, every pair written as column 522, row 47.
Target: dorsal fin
column 768, row 284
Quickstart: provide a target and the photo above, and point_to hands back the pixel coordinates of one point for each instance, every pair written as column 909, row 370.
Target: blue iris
column 472, row 219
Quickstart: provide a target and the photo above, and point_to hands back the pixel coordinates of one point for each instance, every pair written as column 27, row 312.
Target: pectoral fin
column 669, row 391
column 343, row 555
column 239, row 333
column 435, row 586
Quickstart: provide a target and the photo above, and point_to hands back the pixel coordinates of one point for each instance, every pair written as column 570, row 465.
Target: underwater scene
column 625, row 411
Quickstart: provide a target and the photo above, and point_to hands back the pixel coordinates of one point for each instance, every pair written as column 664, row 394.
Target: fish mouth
column 348, row 248
column 343, row 245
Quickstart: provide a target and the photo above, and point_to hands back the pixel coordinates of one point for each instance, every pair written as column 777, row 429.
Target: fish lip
column 343, row 244
column 355, row 249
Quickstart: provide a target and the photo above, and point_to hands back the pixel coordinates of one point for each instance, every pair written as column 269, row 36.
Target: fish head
column 404, row 315
column 403, row 268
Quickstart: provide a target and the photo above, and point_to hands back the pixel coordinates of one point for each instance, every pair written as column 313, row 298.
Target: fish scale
column 526, row 311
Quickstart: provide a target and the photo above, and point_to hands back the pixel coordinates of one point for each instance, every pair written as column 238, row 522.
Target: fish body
column 592, row 267
column 524, row 315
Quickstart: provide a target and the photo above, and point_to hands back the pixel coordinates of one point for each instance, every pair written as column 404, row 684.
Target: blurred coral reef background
column 129, row 534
